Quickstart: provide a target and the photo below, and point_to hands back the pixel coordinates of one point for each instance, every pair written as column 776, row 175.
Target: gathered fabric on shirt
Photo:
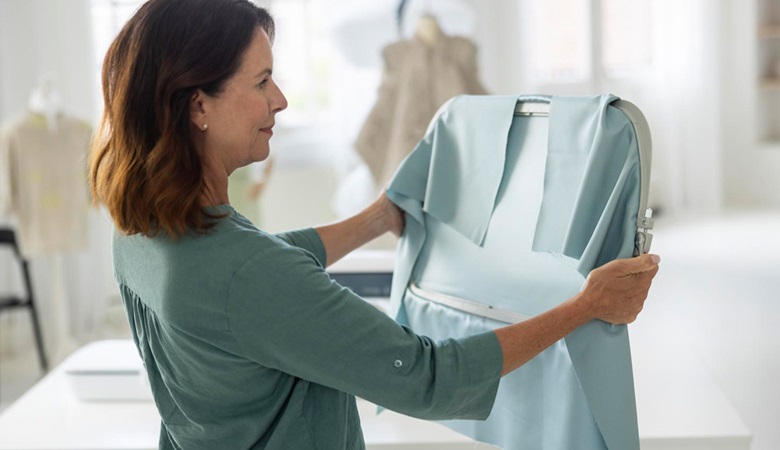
column 249, row 344
column 513, row 213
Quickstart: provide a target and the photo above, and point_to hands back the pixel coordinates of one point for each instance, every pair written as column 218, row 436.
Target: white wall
column 686, row 105
column 38, row 37
column 750, row 170
column 498, row 39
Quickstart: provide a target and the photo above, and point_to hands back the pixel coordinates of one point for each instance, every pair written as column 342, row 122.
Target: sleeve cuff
column 485, row 361
column 485, row 358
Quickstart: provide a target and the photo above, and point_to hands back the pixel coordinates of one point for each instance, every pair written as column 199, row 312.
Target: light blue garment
column 513, row 212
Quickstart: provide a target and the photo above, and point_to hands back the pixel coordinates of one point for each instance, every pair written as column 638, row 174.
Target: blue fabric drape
column 484, row 224
column 591, row 186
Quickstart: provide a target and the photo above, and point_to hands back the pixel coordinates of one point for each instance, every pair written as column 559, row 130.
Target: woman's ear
column 198, row 110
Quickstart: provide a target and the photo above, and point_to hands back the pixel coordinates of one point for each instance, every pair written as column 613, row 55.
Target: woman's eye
column 262, row 83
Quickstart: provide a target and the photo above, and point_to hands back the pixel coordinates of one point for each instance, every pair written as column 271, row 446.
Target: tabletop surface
column 677, row 403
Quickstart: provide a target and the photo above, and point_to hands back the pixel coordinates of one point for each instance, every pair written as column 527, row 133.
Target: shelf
column 769, row 145
column 770, row 84
column 767, row 83
column 769, row 31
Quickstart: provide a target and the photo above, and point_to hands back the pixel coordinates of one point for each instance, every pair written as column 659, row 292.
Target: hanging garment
column 44, row 182
column 505, row 217
column 418, row 78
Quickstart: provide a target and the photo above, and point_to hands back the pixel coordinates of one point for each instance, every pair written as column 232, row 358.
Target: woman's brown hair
column 143, row 165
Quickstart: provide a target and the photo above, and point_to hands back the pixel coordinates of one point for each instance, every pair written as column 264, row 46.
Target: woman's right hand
column 616, row 291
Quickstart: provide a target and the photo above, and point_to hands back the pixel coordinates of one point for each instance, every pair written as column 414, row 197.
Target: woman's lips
column 267, row 130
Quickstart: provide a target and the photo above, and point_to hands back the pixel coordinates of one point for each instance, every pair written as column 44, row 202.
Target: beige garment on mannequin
column 43, row 178
column 417, row 79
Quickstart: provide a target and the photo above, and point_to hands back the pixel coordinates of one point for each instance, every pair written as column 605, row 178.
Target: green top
column 248, row 343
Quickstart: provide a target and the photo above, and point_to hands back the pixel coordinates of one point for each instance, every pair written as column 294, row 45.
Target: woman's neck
column 215, row 191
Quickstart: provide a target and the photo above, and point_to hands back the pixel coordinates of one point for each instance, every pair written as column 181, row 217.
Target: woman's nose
column 280, row 101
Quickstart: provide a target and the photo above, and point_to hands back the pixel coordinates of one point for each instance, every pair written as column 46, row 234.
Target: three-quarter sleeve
column 287, row 314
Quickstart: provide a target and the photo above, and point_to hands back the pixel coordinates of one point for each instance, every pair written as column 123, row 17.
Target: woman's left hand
column 392, row 215
column 377, row 219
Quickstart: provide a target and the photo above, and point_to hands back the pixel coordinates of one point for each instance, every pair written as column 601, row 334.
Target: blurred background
column 704, row 72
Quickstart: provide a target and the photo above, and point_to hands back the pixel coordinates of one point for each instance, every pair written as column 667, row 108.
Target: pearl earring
column 205, row 126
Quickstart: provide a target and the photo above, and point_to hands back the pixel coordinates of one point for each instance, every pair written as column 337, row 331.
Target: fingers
column 392, row 214
column 643, row 263
column 622, row 286
column 652, row 272
column 640, row 264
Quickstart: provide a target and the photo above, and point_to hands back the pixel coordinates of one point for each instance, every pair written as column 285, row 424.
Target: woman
column 246, row 340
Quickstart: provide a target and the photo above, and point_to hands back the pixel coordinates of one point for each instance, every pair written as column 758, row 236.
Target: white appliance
column 368, row 273
column 108, row 370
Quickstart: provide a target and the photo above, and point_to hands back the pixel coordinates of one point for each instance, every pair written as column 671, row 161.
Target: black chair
column 8, row 237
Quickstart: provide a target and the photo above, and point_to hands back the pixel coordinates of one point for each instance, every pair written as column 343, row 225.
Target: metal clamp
column 643, row 238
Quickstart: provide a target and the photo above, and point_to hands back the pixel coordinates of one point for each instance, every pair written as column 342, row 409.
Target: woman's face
column 240, row 119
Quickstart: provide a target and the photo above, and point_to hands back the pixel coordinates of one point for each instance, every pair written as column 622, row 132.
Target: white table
column 50, row 417
column 679, row 406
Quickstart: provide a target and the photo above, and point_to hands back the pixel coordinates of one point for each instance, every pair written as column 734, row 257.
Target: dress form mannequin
column 428, row 30
column 45, row 101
